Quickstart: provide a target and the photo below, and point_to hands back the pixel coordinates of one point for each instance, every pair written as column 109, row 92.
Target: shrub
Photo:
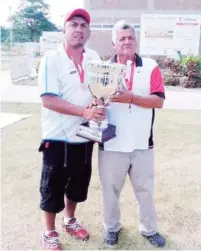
column 174, row 66
column 192, row 69
column 172, row 81
column 186, row 60
column 189, row 66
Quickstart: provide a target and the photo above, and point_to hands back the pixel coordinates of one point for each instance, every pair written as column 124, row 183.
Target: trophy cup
column 103, row 80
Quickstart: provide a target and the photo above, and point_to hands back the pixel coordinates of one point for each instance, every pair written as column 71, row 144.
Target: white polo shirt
column 134, row 124
column 58, row 76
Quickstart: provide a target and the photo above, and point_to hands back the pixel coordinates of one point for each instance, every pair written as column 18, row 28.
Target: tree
column 4, row 34
column 30, row 20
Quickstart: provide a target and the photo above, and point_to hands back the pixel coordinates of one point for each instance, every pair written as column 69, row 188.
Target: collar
column 61, row 49
column 138, row 60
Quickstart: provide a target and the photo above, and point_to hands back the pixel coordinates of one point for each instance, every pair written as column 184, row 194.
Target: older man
column 131, row 151
column 65, row 104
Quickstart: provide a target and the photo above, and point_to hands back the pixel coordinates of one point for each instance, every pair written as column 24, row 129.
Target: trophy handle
column 104, row 123
column 91, row 92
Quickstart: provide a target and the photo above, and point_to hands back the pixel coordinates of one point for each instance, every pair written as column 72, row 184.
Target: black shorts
column 66, row 170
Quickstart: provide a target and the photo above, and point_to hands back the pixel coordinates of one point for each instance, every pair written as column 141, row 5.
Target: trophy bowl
column 103, row 79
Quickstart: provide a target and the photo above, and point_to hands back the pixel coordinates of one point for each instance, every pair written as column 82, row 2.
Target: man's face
column 126, row 42
column 76, row 32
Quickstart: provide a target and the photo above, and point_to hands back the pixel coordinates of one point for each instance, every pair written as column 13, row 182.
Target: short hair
column 121, row 25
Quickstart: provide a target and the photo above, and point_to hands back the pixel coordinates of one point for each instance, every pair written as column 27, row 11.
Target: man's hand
column 96, row 102
column 94, row 113
column 122, row 96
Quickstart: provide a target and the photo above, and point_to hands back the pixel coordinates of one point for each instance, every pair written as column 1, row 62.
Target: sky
column 58, row 9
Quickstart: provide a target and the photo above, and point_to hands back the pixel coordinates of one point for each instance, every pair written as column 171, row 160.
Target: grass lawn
column 177, row 186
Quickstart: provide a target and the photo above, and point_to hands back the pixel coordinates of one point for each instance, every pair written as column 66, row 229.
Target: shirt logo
column 73, row 72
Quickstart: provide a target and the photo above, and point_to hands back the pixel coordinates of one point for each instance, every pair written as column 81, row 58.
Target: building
column 105, row 13
column 50, row 40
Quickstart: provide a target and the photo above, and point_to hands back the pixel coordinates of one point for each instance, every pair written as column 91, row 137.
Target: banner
column 166, row 34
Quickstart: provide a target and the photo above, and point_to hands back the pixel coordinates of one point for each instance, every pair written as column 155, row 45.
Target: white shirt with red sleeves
column 58, row 76
column 134, row 124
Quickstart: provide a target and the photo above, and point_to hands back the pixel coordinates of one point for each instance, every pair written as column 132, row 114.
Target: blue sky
column 58, row 9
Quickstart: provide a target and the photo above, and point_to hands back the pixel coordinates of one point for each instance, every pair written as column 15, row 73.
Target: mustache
column 80, row 34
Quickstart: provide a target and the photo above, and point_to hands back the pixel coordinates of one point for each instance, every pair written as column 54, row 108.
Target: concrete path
column 10, row 118
column 17, row 93
column 183, row 99
column 176, row 98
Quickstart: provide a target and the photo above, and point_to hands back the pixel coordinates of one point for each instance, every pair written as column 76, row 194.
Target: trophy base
column 99, row 136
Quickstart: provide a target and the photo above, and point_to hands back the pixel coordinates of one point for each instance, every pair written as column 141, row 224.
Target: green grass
column 177, row 187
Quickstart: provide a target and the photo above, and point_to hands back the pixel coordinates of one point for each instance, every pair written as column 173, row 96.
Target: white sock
column 47, row 232
column 66, row 220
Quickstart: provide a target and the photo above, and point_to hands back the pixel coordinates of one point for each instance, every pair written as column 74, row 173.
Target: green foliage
column 30, row 20
column 185, row 60
column 188, row 68
column 4, row 34
column 196, row 59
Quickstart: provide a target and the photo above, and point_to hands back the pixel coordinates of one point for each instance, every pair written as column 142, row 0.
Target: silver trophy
column 103, row 80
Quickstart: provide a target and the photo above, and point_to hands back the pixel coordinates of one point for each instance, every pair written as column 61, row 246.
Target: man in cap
column 131, row 151
column 66, row 103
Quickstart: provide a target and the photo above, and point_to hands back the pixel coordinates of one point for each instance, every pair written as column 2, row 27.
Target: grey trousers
column 113, row 168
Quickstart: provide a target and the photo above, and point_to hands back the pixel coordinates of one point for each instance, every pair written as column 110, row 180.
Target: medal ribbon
column 79, row 67
column 129, row 82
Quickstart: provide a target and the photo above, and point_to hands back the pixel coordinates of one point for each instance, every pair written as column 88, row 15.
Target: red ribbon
column 129, row 83
column 78, row 67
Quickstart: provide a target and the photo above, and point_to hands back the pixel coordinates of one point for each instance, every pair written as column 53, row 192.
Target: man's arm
column 59, row 105
column 154, row 100
column 151, row 101
column 50, row 92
